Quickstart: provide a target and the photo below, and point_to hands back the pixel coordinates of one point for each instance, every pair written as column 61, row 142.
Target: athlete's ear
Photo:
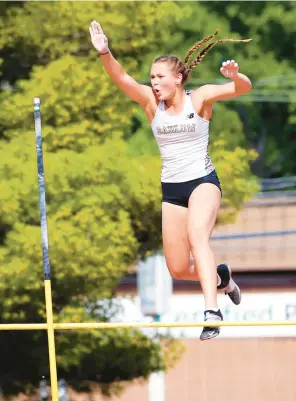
column 179, row 78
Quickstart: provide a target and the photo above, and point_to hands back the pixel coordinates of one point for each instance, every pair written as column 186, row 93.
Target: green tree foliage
column 269, row 124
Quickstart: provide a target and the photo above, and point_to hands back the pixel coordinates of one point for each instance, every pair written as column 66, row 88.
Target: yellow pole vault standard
column 51, row 342
column 45, row 254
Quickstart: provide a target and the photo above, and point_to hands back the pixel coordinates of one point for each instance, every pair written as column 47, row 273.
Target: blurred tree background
column 102, row 164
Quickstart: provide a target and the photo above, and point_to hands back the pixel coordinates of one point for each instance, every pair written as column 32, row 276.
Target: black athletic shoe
column 211, row 332
column 228, row 285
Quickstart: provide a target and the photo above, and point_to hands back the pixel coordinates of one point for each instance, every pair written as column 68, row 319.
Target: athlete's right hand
column 98, row 39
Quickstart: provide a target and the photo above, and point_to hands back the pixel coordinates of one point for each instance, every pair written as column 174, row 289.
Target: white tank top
column 183, row 142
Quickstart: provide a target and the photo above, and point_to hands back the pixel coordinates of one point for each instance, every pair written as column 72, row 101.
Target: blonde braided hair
column 179, row 66
column 198, row 45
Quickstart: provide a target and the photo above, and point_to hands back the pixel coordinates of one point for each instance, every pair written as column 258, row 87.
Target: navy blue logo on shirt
column 191, row 115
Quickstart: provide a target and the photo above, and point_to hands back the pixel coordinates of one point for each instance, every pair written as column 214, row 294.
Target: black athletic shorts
column 178, row 193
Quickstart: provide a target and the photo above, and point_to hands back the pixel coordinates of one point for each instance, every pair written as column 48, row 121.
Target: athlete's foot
column 228, row 285
column 211, row 332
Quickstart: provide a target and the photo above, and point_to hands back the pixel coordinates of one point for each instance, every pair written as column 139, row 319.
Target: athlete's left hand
column 229, row 69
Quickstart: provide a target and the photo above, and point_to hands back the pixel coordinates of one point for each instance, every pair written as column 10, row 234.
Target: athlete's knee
column 178, row 271
column 176, row 274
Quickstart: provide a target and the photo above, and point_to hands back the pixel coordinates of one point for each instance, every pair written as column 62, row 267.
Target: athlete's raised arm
column 135, row 91
column 240, row 84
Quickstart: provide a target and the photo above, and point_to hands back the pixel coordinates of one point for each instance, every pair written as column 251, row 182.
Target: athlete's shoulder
column 196, row 96
column 198, row 102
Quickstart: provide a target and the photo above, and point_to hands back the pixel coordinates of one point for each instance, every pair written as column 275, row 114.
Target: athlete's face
column 164, row 81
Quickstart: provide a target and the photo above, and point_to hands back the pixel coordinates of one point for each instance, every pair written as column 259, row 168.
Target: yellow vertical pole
column 51, row 342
